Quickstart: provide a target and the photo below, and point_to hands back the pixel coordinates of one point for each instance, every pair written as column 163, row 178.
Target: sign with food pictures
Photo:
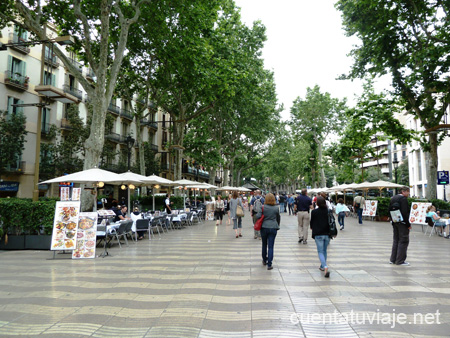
column 76, row 193
column 210, row 215
column 418, row 213
column 65, row 194
column 65, row 225
column 86, row 236
column 371, row 208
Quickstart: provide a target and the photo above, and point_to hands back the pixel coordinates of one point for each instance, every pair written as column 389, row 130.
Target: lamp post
column 395, row 163
column 130, row 144
column 230, row 176
column 61, row 40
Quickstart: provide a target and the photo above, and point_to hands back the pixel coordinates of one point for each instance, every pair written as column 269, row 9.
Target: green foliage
column 22, row 216
column 12, row 140
column 147, row 202
column 409, row 40
column 440, row 204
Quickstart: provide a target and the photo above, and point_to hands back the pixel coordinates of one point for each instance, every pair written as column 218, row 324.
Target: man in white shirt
column 167, row 204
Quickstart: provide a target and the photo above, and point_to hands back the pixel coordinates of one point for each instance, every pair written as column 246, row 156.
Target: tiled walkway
column 203, row 282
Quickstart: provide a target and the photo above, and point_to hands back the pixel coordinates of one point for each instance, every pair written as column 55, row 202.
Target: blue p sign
column 443, row 177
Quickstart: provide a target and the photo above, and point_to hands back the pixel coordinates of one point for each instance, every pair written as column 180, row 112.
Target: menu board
column 210, row 215
column 86, row 236
column 418, row 213
column 65, row 225
column 370, row 208
column 65, row 193
column 76, row 192
column 106, row 213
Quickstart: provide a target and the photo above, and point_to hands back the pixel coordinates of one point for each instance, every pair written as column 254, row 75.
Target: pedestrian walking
column 237, row 221
column 359, row 203
column 227, row 209
column 341, row 211
column 219, row 208
column 290, row 202
column 269, row 228
column 401, row 229
column 321, row 232
column 255, row 206
column 302, row 206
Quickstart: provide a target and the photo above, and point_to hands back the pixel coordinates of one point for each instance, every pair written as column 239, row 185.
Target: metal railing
column 77, row 64
column 73, row 91
column 113, row 108
column 65, row 124
column 16, row 79
column 90, row 73
column 51, row 60
column 18, row 167
column 45, row 128
column 113, row 137
column 14, row 38
column 126, row 114
column 154, row 147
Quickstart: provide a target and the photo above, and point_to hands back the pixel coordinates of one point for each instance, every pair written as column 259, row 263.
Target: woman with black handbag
column 321, row 232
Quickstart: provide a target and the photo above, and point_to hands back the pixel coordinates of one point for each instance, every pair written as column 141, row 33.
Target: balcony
column 114, row 137
column 218, row 180
column 45, row 129
column 14, row 38
column 77, row 64
column 17, row 168
column 90, row 74
column 73, row 91
column 65, row 125
column 16, row 80
column 126, row 114
column 154, row 147
column 115, row 168
column 112, row 108
column 51, row 60
column 150, row 124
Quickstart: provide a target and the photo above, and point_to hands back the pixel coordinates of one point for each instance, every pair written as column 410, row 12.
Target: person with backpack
column 255, row 206
column 401, row 229
column 359, row 203
column 341, row 211
column 321, row 232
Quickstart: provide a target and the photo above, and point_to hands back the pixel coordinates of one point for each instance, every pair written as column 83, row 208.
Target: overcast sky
column 305, row 46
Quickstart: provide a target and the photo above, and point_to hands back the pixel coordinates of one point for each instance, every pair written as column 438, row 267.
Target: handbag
column 332, row 224
column 239, row 211
column 258, row 224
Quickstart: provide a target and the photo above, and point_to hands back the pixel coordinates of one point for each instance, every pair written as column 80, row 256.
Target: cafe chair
column 129, row 230
column 154, row 224
column 120, row 232
column 142, row 225
column 432, row 224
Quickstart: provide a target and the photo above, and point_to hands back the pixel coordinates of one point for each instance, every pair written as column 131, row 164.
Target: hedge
column 25, row 217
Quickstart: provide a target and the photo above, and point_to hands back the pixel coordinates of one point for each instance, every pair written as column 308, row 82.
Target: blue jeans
column 322, row 242
column 268, row 240
column 281, row 207
column 359, row 211
column 341, row 217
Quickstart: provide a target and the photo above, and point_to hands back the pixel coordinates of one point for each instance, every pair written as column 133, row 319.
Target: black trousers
column 400, row 243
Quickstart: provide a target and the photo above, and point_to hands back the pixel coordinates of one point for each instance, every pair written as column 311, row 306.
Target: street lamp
column 395, row 163
column 230, row 177
column 61, row 40
column 130, row 144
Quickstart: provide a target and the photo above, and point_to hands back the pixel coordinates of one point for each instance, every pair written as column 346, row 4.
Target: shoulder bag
column 258, row 224
column 332, row 224
column 239, row 211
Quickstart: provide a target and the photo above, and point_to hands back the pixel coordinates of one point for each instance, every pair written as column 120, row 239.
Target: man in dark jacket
column 401, row 229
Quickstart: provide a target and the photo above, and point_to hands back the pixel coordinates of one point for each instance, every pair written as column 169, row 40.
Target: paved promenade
column 203, row 282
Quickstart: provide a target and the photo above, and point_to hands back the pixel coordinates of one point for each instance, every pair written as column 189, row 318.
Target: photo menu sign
column 65, row 225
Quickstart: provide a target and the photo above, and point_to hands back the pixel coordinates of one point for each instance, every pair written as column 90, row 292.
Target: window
column 419, row 165
column 45, row 120
column 16, row 67
column 164, row 121
column 12, row 110
column 125, row 128
column 49, row 79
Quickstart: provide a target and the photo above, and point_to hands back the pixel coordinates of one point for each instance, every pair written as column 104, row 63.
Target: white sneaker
column 405, row 263
column 342, row 228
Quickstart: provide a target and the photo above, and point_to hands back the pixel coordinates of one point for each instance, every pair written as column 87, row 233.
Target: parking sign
column 442, row 177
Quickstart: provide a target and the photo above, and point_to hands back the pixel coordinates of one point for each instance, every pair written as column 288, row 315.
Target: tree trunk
column 225, row 177
column 323, row 182
column 94, row 145
column 431, row 190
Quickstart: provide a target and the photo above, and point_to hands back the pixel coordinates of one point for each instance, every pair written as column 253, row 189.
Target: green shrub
column 23, row 216
column 441, row 205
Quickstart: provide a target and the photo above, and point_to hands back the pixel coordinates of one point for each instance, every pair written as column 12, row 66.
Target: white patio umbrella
column 157, row 180
column 227, row 188
column 244, row 189
column 94, row 176
column 129, row 178
column 184, row 183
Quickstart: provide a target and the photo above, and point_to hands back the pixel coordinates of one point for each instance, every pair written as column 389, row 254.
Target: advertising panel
column 65, row 225
column 86, row 236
